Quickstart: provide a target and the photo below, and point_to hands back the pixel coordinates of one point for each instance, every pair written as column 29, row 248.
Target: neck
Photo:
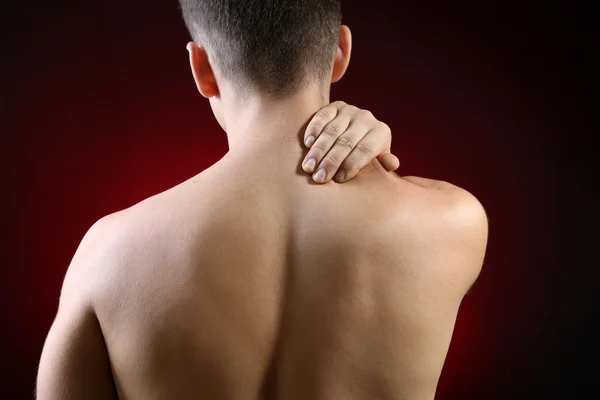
column 260, row 122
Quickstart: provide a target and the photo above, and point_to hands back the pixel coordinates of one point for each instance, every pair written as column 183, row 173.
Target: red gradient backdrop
column 100, row 112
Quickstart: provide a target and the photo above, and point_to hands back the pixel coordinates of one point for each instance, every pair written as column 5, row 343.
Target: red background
column 100, row 111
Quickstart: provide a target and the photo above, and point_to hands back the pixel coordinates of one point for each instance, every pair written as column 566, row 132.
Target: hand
column 341, row 135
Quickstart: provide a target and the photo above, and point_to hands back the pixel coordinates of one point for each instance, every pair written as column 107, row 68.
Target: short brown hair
column 272, row 46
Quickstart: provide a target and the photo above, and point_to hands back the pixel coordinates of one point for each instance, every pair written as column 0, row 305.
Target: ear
column 342, row 54
column 202, row 71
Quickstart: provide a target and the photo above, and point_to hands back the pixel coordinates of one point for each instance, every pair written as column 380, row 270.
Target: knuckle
column 364, row 148
column 319, row 148
column 333, row 130
column 353, row 109
column 323, row 114
column 352, row 163
column 327, row 136
column 331, row 160
column 346, row 142
column 319, row 117
column 367, row 114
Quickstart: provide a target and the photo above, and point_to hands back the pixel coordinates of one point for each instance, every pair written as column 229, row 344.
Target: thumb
column 389, row 161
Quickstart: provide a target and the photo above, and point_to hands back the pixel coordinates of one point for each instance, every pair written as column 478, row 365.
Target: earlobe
column 202, row 71
column 342, row 54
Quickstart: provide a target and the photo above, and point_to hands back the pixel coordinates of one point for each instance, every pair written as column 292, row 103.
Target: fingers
column 334, row 136
column 341, row 147
column 375, row 144
column 389, row 161
column 344, row 139
column 319, row 121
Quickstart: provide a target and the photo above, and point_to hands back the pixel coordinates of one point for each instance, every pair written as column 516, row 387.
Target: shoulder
column 103, row 250
column 124, row 231
column 132, row 233
column 458, row 208
column 107, row 235
column 442, row 225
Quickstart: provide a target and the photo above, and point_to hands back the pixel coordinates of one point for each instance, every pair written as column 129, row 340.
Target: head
column 268, row 49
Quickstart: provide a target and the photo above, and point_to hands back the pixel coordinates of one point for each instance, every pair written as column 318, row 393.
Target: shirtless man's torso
column 248, row 282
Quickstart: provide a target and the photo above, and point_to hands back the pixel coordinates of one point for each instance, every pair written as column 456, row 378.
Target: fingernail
column 340, row 176
column 310, row 140
column 311, row 164
column 319, row 177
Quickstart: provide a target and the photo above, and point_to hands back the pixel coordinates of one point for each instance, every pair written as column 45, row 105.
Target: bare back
column 247, row 283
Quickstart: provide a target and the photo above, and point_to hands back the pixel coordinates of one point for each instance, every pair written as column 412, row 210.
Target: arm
column 344, row 139
column 74, row 363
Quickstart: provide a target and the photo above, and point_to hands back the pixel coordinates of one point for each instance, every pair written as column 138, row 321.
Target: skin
column 251, row 281
column 343, row 134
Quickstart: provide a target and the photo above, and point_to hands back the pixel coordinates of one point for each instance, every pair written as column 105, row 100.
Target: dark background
column 99, row 111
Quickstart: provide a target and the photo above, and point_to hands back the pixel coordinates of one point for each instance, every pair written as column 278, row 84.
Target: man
column 250, row 281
